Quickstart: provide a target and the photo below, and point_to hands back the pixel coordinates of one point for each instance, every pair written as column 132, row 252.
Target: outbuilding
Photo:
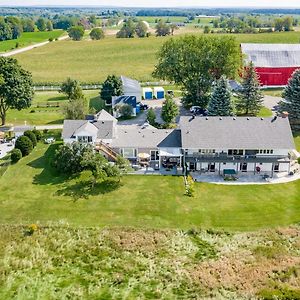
column 147, row 93
column 131, row 87
column 274, row 63
column 159, row 92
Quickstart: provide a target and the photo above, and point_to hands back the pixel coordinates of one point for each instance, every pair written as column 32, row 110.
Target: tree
column 291, row 95
column 68, row 158
column 112, row 86
column 125, row 110
column 76, row 33
column 37, row 134
column 28, row 25
column 169, row 110
column 5, row 31
column 75, row 109
column 24, row 144
column 15, row 155
column 49, row 25
column 162, row 28
column 97, row 34
column 127, row 31
column 174, row 27
column 220, row 103
column 151, row 116
column 31, row 136
column 141, row 29
column 41, row 24
column 15, row 25
column 195, row 62
column 250, row 97
column 16, row 88
column 71, row 88
column 206, row 29
column 123, row 164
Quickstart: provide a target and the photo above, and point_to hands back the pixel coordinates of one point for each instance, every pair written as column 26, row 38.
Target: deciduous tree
column 112, row 86
column 169, row 110
column 76, row 33
column 16, row 87
column 97, row 34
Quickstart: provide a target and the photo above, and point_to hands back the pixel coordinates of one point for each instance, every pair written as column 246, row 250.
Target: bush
column 51, row 39
column 37, row 134
column 24, row 144
column 15, row 155
column 31, row 136
column 298, row 160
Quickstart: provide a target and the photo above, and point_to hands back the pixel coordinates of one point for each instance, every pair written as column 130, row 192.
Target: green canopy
column 229, row 172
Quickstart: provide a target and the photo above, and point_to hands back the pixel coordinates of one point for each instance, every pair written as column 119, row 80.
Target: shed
column 159, row 92
column 274, row 63
column 131, row 87
column 147, row 93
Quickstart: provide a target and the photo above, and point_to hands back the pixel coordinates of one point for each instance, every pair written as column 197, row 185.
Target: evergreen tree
column 250, row 98
column 169, row 110
column 291, row 95
column 151, row 117
column 112, row 86
column 220, row 103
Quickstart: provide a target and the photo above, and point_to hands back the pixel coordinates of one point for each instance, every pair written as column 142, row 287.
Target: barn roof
column 272, row 55
column 130, row 85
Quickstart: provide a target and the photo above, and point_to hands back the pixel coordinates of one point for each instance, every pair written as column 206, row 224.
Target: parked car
column 50, row 140
column 144, row 106
column 197, row 110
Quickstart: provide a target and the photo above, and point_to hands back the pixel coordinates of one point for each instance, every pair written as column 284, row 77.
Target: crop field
column 46, row 108
column 92, row 61
column 29, row 38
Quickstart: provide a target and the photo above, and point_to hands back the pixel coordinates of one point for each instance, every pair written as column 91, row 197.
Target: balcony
column 218, row 157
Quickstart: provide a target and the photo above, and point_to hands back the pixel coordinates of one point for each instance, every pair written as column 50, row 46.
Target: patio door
column 276, row 167
column 243, row 167
column 212, row 167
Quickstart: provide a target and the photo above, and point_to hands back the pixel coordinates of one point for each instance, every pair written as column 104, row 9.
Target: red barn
column 274, row 63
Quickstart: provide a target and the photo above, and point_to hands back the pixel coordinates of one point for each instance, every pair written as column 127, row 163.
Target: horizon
column 204, row 4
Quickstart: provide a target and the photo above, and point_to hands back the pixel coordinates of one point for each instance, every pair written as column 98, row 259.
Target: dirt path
column 21, row 50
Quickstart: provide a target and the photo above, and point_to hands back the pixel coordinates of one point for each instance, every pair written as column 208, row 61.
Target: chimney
column 284, row 114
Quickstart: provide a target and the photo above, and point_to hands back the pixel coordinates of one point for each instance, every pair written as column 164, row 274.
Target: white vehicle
column 50, row 140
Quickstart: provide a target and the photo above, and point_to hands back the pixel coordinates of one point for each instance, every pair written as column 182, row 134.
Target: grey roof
column 172, row 140
column 236, row 133
column 143, row 137
column 272, row 55
column 70, row 126
column 103, row 115
column 130, row 85
column 105, row 128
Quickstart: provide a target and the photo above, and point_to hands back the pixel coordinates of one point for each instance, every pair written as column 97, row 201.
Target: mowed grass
column 40, row 114
column 30, row 192
column 29, row 38
column 92, row 61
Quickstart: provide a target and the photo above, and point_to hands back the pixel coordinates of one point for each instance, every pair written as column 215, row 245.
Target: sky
column 158, row 3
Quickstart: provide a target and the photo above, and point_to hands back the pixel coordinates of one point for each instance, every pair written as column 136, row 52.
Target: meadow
column 29, row 38
column 92, row 61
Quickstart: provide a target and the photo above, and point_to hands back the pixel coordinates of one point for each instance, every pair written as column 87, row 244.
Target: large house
column 203, row 144
column 274, row 63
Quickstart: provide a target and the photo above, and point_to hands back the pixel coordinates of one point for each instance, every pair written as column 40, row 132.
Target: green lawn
column 92, row 61
column 273, row 92
column 29, row 38
column 30, row 192
column 39, row 114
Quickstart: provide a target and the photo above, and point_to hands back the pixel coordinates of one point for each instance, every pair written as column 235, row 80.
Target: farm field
column 92, row 61
column 45, row 108
column 59, row 262
column 29, row 38
column 135, row 202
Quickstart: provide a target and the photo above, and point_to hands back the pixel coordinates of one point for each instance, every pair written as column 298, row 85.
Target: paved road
column 17, row 51
column 271, row 102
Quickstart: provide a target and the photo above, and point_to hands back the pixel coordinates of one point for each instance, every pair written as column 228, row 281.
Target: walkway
column 17, row 51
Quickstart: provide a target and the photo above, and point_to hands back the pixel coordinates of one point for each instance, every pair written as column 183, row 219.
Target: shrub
column 190, row 188
column 15, row 155
column 298, row 160
column 37, row 134
column 51, row 39
column 31, row 229
column 24, row 144
column 31, row 136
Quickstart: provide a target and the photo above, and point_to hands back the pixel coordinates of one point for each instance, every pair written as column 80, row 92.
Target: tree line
column 12, row 27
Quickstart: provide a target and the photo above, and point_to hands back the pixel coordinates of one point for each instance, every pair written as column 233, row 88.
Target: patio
column 246, row 178
column 152, row 171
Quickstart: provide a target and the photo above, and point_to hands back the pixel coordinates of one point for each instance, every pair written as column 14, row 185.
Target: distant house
column 117, row 102
column 200, row 144
column 274, row 63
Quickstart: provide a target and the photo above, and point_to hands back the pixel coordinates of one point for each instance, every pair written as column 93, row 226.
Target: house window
column 154, row 155
column 85, row 139
column 235, row 152
column 129, row 152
